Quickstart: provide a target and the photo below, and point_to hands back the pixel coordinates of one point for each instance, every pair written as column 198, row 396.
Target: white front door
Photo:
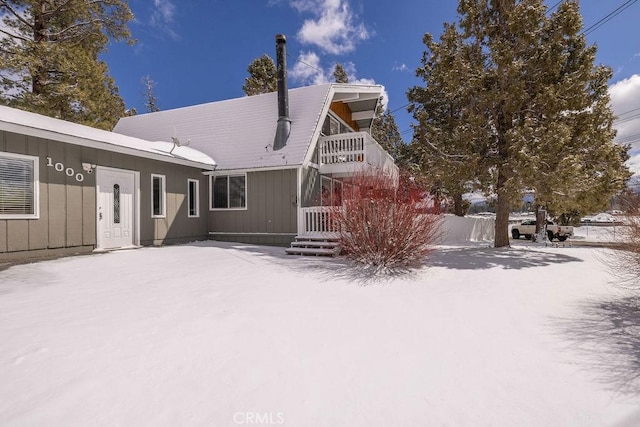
column 116, row 193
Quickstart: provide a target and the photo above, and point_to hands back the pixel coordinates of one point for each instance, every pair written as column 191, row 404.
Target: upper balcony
column 346, row 154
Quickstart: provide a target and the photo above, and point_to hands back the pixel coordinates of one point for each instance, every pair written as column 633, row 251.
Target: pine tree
column 443, row 146
column 150, row 98
column 339, row 74
column 384, row 130
column 262, row 78
column 537, row 112
column 49, row 58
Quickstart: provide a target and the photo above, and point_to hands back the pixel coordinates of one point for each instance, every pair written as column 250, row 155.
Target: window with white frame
column 333, row 126
column 229, row 192
column 193, row 198
column 19, row 181
column 330, row 192
column 158, row 196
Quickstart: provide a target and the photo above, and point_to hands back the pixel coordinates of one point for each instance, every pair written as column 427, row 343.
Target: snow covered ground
column 217, row 334
column 599, row 233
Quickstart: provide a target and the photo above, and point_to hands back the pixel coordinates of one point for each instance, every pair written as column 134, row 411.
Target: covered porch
column 340, row 158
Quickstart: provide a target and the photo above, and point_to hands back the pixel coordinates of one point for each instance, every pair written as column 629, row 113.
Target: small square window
column 229, row 192
column 19, row 182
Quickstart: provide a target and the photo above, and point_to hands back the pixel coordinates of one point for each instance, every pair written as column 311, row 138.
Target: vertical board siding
column 68, row 207
column 57, row 194
column 343, row 111
column 89, row 155
column 39, row 230
column 3, row 236
column 73, row 196
column 176, row 224
column 18, row 235
column 271, row 206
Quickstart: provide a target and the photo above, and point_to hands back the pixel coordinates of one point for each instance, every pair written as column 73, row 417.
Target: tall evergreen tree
column 384, row 129
column 150, row 98
column 262, row 78
column 339, row 74
column 443, row 146
column 49, row 58
column 537, row 112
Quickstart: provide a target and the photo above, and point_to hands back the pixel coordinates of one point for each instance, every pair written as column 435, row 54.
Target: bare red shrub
column 624, row 263
column 384, row 223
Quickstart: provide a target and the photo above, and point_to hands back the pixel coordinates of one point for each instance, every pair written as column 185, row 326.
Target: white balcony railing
column 348, row 153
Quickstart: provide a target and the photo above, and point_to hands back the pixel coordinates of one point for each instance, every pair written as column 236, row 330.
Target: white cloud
column 164, row 11
column 634, row 163
column 334, row 28
column 163, row 15
column 625, row 97
column 401, row 67
column 308, row 70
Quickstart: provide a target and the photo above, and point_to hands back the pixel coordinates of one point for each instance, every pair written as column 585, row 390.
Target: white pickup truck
column 528, row 230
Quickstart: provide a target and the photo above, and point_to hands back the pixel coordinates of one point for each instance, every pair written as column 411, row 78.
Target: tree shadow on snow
column 507, row 258
column 327, row 268
column 606, row 334
column 343, row 269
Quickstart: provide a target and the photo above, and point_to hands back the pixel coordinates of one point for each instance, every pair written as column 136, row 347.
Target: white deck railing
column 342, row 148
column 318, row 220
column 350, row 152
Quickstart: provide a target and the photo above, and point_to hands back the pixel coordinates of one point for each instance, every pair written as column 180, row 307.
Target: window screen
column 18, row 181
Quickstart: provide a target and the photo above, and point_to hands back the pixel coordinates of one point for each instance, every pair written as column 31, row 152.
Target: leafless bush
column 384, row 224
column 625, row 262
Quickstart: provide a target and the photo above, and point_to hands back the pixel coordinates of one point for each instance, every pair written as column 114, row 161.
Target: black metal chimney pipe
column 284, row 123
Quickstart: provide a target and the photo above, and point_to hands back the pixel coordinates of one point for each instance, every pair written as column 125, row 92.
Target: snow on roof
column 18, row 121
column 239, row 133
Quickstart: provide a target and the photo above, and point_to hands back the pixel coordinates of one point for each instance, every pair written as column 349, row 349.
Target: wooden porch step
column 320, row 237
column 313, row 251
column 314, row 244
column 318, row 244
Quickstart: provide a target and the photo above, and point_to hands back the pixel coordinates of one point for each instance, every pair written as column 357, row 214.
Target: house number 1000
column 68, row 171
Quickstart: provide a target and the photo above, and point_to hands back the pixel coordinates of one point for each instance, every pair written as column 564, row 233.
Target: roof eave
column 101, row 145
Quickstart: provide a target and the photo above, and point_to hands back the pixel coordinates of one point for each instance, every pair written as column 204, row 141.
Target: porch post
column 300, row 222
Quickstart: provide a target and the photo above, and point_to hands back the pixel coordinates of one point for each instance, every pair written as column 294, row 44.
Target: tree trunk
column 458, row 208
column 541, row 223
column 540, row 219
column 502, row 213
column 39, row 75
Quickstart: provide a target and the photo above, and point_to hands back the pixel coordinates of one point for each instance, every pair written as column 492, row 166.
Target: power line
column 554, row 6
column 626, row 119
column 627, row 112
column 629, row 138
column 304, row 63
column 400, row 108
column 621, row 119
column 609, row 17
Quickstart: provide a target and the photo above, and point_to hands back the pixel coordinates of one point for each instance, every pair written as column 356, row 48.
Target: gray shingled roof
column 239, row 133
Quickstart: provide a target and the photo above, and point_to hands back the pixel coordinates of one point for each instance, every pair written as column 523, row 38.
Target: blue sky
column 198, row 51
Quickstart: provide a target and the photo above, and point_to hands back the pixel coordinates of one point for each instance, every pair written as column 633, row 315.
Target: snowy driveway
column 217, row 334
